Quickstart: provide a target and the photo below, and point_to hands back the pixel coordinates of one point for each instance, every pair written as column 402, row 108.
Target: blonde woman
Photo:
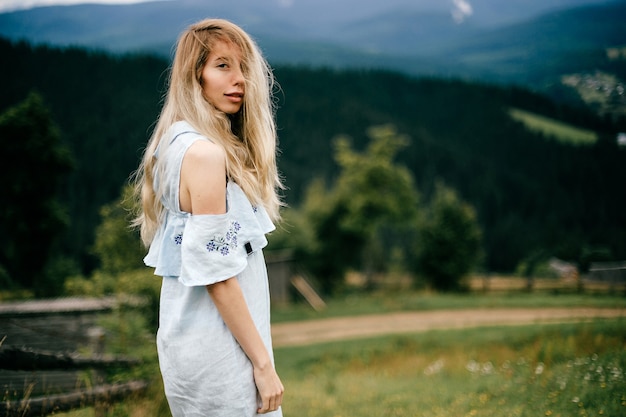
column 208, row 186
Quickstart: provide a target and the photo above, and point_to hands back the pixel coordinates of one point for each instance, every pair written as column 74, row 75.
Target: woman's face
column 223, row 83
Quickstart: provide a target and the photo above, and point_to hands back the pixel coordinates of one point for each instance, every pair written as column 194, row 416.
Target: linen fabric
column 205, row 371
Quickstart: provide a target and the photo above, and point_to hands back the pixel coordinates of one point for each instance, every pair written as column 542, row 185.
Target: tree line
column 531, row 194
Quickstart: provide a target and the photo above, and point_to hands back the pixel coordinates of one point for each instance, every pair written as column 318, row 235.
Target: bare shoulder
column 205, row 151
column 205, row 158
column 203, row 179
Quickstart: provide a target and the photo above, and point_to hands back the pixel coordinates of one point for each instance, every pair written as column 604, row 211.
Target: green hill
column 539, row 51
column 553, row 128
column 531, row 193
column 531, row 43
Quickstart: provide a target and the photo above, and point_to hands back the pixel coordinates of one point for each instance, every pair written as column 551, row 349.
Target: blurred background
column 430, row 148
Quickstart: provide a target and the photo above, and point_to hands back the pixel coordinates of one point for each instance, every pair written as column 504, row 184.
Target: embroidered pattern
column 224, row 243
column 178, row 239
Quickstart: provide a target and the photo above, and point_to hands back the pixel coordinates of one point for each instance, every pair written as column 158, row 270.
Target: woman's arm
column 203, row 191
column 229, row 300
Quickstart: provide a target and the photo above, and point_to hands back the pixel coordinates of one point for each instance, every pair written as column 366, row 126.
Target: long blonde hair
column 248, row 137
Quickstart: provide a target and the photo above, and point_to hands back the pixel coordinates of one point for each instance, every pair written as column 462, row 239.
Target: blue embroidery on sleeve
column 224, row 243
column 178, row 239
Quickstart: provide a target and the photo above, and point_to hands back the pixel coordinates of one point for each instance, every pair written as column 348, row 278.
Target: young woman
column 208, row 187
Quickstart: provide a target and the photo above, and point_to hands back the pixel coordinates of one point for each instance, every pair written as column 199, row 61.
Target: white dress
column 205, row 371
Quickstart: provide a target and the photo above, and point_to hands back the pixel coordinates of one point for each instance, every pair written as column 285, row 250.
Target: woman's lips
column 234, row 97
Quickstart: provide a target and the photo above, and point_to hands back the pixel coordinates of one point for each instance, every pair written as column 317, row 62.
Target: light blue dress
column 205, row 371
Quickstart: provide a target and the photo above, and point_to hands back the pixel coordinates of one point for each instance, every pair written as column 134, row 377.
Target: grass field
column 562, row 132
column 541, row 370
column 551, row 370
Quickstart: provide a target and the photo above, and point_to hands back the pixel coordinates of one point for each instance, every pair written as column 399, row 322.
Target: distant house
column 612, row 272
column 565, row 270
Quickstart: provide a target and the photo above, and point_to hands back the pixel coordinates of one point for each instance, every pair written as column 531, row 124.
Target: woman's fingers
column 270, row 403
column 270, row 390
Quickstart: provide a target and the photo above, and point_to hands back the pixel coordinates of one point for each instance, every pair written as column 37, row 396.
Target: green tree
column 450, row 240
column 120, row 252
column 334, row 248
column 379, row 197
column 371, row 202
column 116, row 245
column 371, row 187
column 32, row 220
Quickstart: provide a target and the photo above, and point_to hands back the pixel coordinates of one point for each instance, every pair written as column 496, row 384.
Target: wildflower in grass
column 487, row 368
column 539, row 368
column 475, row 367
column 434, row 367
column 472, row 366
column 616, row 373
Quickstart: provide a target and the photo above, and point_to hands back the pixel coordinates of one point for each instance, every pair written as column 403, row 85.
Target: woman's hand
column 270, row 389
column 230, row 302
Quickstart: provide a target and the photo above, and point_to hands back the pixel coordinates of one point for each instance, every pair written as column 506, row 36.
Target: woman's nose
column 238, row 77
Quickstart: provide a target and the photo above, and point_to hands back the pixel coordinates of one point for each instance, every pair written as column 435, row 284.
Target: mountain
column 566, row 41
column 320, row 19
column 530, row 191
column 530, row 42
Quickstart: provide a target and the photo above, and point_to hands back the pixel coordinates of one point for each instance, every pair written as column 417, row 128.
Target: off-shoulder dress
column 205, row 371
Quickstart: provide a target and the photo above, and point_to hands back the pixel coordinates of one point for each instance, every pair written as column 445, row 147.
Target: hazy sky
column 460, row 8
column 8, row 5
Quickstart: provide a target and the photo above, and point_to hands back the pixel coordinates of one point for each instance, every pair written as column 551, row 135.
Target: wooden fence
column 584, row 284
column 41, row 370
column 602, row 277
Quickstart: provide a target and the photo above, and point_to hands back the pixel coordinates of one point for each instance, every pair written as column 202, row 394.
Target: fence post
column 486, row 282
column 97, row 337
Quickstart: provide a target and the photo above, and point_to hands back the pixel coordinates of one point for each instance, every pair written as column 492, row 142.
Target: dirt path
column 327, row 330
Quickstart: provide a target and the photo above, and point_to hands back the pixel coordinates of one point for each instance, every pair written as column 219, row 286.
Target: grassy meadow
column 562, row 132
column 573, row 369
column 551, row 370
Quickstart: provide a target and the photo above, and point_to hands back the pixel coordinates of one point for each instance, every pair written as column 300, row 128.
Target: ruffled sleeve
column 164, row 253
column 206, row 249
column 212, row 250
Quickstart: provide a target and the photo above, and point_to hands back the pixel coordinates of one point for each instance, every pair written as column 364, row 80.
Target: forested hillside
column 531, row 193
column 531, row 43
